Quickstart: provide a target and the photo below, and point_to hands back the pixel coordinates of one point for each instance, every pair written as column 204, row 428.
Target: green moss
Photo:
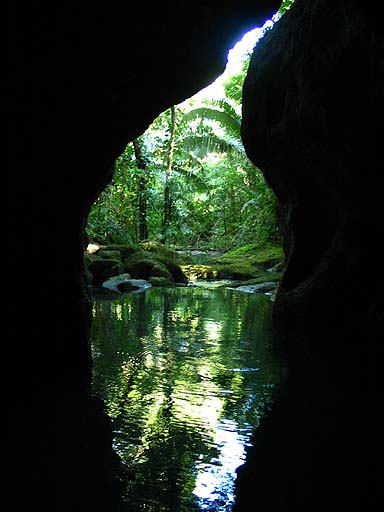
column 160, row 281
column 194, row 272
column 173, row 267
column 139, row 265
column 160, row 270
column 140, row 255
column 124, row 250
column 262, row 256
column 103, row 268
column 164, row 252
column 143, row 263
column 111, row 260
column 263, row 278
column 240, row 270
column 109, row 254
column 89, row 258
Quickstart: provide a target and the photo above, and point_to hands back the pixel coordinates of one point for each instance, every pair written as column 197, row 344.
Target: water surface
column 185, row 374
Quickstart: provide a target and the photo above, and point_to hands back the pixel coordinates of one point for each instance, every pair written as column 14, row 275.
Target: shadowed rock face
column 312, row 110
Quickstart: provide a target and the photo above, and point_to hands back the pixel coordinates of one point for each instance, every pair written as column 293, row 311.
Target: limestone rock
column 125, row 283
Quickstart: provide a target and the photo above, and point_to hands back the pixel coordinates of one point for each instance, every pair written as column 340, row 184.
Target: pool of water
column 185, row 374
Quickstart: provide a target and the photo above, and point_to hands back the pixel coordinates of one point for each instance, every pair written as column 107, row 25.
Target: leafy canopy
column 217, row 197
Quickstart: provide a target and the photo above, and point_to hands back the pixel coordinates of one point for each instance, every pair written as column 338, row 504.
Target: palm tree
column 142, row 188
column 228, row 141
column 224, row 115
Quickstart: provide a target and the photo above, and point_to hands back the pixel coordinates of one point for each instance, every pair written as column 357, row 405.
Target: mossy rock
column 140, row 269
column 142, row 254
column 194, row 272
column 160, row 281
column 240, row 271
column 264, row 277
column 162, row 251
column 160, row 270
column 102, row 269
column 143, row 263
column 176, row 272
column 124, row 250
column 89, row 258
column 127, row 287
column 260, row 256
column 108, row 254
column 88, row 277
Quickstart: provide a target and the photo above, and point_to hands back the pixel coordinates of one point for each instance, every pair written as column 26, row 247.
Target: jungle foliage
column 187, row 181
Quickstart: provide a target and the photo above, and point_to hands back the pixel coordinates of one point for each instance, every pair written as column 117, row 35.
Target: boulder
column 144, row 264
column 103, row 268
column 125, row 283
column 109, row 254
column 238, row 271
column 260, row 256
column 160, row 281
column 115, row 259
column 160, row 270
column 133, row 285
column 161, row 250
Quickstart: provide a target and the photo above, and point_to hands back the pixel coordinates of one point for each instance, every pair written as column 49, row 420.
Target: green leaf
column 226, row 120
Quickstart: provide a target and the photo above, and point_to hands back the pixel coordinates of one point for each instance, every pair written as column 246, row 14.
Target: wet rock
column 125, row 283
column 257, row 288
column 133, row 285
column 247, row 262
column 160, row 281
column 102, row 268
column 198, row 271
column 144, row 264
column 146, row 260
column 261, row 256
column 163, row 251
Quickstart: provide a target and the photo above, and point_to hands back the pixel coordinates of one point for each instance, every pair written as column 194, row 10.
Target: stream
column 185, row 374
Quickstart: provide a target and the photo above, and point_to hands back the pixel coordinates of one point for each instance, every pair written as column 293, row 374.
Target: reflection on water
column 185, row 374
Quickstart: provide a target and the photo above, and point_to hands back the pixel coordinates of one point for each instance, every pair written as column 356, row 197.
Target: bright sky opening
column 236, row 57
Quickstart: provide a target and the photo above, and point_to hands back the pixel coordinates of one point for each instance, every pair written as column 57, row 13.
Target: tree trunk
column 168, row 172
column 232, row 209
column 142, row 190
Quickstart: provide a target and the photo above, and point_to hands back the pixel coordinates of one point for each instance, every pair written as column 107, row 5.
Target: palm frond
column 201, row 146
column 193, row 176
column 228, row 108
column 227, row 121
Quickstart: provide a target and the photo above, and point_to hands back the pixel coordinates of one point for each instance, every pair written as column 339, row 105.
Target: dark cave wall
column 313, row 103
column 312, row 110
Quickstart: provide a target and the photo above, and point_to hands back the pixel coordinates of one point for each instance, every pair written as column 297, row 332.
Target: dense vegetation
column 187, row 181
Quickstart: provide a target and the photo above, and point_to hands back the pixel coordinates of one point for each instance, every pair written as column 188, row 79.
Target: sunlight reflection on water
column 184, row 374
column 215, row 481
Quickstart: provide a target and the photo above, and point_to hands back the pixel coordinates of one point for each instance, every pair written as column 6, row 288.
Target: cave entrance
column 180, row 241
column 187, row 182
